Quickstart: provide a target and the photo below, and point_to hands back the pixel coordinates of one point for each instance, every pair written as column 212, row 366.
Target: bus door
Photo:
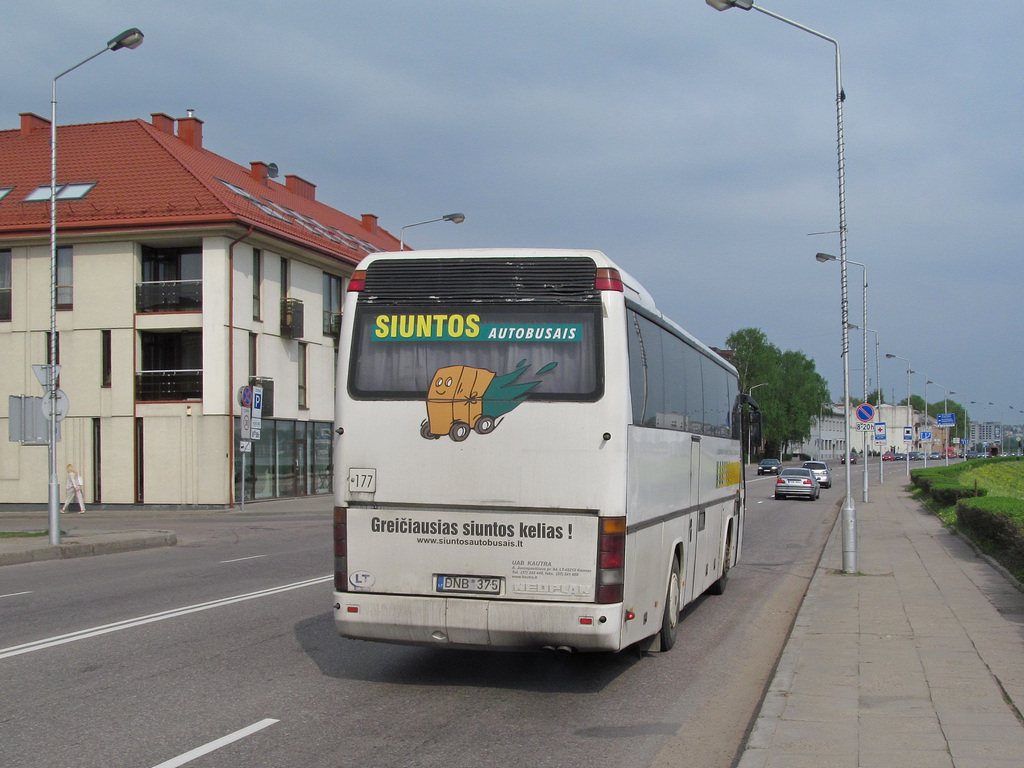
column 695, row 551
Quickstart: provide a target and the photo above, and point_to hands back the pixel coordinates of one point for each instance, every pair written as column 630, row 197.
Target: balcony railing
column 155, row 386
column 169, row 296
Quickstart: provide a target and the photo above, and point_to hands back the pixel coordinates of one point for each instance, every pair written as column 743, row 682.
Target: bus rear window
column 545, row 352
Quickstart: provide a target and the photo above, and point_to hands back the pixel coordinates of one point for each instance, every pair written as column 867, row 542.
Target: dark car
column 797, row 481
column 769, row 467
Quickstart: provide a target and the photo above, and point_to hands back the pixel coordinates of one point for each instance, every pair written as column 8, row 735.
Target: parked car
column 821, row 472
column 916, row 456
column 797, row 481
column 769, row 467
column 934, row 456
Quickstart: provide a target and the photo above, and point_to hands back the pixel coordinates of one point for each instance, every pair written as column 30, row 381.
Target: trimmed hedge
column 994, row 523
column 997, row 524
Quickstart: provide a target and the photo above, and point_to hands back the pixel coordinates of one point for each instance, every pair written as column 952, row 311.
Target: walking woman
column 74, row 489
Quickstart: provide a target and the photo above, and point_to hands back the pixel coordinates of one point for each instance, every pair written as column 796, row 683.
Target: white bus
column 529, row 455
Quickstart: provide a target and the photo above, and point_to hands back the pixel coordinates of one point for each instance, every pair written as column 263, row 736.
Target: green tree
column 793, row 390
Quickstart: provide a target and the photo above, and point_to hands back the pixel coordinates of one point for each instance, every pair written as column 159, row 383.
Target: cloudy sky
column 695, row 148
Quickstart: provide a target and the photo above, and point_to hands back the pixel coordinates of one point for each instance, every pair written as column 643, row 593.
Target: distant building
column 181, row 277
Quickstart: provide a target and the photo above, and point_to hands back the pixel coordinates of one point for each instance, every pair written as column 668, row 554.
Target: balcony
column 162, row 386
column 292, row 318
column 169, row 296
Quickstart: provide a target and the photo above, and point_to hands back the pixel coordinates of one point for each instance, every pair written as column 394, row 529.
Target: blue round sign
column 865, row 412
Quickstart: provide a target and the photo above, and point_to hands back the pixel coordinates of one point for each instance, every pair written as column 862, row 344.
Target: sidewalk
column 108, row 530
column 917, row 661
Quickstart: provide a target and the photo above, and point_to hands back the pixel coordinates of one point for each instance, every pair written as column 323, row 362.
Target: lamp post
column 945, row 409
column 455, row 218
column 849, row 511
column 131, row 39
column 826, row 257
column 750, row 450
column 909, row 408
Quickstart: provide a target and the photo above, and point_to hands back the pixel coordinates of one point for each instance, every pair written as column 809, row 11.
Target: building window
column 106, row 358
column 257, row 281
column 171, row 366
column 252, row 355
column 65, row 281
column 5, row 285
column 333, row 292
column 172, row 280
column 284, row 277
column 302, row 374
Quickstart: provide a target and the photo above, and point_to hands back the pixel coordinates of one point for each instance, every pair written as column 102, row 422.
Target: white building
column 181, row 277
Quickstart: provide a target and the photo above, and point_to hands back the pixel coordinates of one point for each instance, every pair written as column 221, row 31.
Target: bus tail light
column 611, row 559
column 357, row 282
column 608, row 279
column 340, row 549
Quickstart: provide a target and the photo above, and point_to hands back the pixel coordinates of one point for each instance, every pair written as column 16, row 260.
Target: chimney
column 258, row 171
column 299, row 186
column 30, row 123
column 190, row 130
column 370, row 222
column 163, row 123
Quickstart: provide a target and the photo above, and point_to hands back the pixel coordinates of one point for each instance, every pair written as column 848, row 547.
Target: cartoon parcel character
column 455, row 402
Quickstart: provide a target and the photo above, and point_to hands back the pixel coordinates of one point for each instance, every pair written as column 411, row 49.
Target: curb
column 86, row 545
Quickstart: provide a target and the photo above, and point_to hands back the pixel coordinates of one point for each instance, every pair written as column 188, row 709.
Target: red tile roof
column 147, row 178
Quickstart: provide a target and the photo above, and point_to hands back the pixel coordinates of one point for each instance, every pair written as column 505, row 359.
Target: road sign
column 880, row 430
column 908, row 434
column 865, row 412
column 257, row 402
column 62, row 405
column 245, row 446
column 926, row 435
column 946, row 419
column 246, row 418
column 245, row 397
column 865, row 427
column 42, row 373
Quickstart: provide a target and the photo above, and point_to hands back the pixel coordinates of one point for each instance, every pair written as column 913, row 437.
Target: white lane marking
column 82, row 634
column 240, row 559
column 15, row 594
column 217, row 744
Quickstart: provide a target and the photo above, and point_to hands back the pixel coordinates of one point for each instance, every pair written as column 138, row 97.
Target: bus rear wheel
column 670, row 621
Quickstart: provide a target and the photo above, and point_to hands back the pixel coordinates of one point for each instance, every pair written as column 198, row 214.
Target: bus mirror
column 755, row 427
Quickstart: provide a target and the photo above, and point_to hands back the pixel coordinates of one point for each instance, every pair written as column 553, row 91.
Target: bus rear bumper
column 478, row 623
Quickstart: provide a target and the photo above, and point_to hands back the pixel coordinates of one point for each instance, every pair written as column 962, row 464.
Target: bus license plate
column 480, row 585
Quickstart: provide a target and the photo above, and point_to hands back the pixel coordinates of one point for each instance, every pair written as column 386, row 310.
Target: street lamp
column 826, row 257
column 455, row 218
column 131, row 39
column 909, row 409
column 849, row 512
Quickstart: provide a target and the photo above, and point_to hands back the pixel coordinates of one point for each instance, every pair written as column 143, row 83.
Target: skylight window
column 4, row 191
column 64, row 191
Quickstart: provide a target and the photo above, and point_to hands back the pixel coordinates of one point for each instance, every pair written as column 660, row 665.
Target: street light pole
column 909, row 409
column 849, row 511
column 824, row 257
column 455, row 218
column 131, row 39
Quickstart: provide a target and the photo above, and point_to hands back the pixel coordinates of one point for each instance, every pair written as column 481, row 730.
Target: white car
column 821, row 472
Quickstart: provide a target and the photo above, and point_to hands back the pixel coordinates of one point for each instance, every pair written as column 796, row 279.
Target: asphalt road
column 221, row 651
